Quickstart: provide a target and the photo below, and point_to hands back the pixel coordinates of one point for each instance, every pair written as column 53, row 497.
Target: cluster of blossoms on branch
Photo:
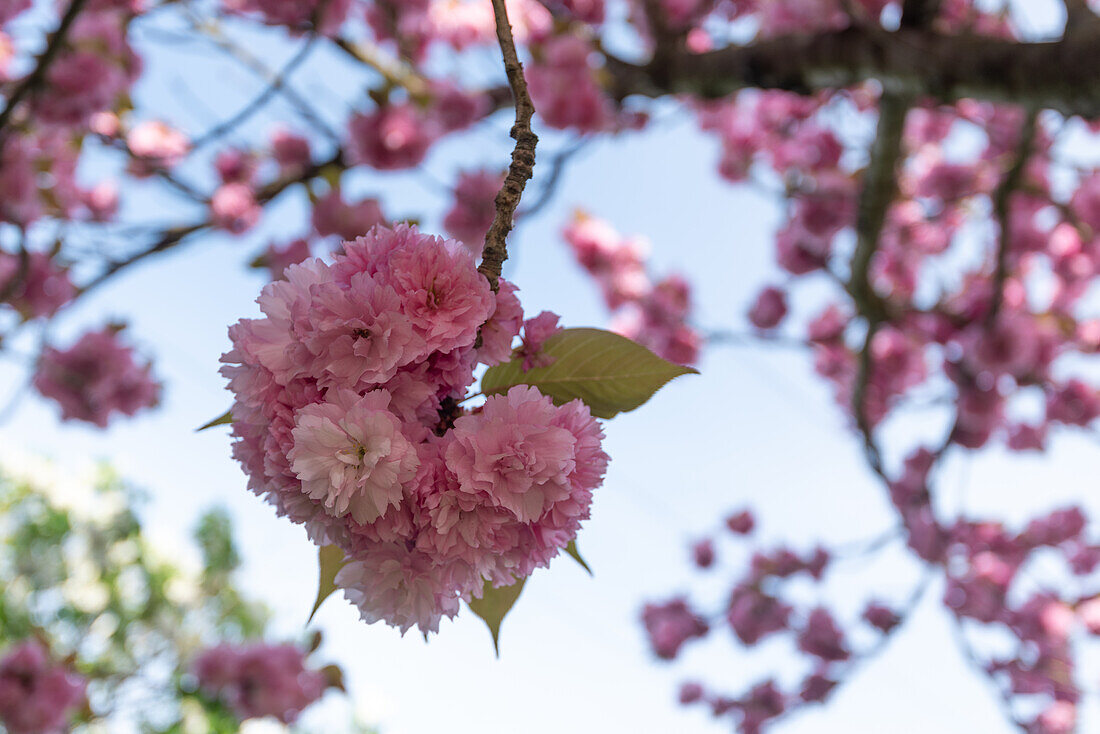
column 37, row 695
column 350, row 391
column 973, row 288
column 349, row 418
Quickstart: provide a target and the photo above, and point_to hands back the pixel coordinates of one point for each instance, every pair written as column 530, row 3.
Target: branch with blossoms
column 356, row 414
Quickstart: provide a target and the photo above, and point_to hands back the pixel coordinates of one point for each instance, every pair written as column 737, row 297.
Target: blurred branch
column 558, row 164
column 174, row 236
column 722, row 337
column 275, row 85
column 918, row 13
column 258, row 67
column 393, row 71
column 908, row 62
column 42, row 63
column 1008, row 185
column 879, row 189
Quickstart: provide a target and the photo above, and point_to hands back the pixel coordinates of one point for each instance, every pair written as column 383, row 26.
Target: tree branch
column 42, row 63
column 879, row 189
column 919, row 13
column 908, row 62
column 520, row 170
column 1001, row 196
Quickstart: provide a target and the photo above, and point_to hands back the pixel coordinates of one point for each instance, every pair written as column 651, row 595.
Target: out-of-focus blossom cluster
column 260, row 680
column 349, row 419
column 655, row 314
column 95, row 378
column 37, row 695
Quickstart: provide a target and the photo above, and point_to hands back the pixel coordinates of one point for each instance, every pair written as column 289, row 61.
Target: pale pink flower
column 535, row 333
column 822, row 638
column 277, row 258
column 511, row 453
column 350, row 454
column 564, row 89
column 753, row 614
column 155, row 145
column 234, row 208
column 11, row 8
column 358, row 333
column 769, row 309
column 442, row 293
column 290, row 151
column 101, row 201
column 503, row 326
column 670, row 625
column 236, row 166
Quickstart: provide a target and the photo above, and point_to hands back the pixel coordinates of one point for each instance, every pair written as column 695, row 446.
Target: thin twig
column 393, row 71
column 174, row 236
column 258, row 67
column 523, row 155
column 257, row 103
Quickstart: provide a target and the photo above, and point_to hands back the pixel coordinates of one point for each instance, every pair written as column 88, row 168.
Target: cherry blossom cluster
column 349, row 418
column 37, row 695
column 655, row 314
column 258, row 679
column 352, row 414
column 97, row 377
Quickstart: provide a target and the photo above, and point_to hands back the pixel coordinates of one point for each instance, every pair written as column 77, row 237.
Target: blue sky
column 754, row 428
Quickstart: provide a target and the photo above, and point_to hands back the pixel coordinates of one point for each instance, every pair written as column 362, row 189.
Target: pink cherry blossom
column 233, row 208
column 350, row 454
column 290, row 151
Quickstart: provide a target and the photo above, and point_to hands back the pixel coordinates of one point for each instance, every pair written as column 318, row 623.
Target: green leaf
column 571, row 549
column 495, row 602
column 222, row 420
column 609, row 372
column 330, row 559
